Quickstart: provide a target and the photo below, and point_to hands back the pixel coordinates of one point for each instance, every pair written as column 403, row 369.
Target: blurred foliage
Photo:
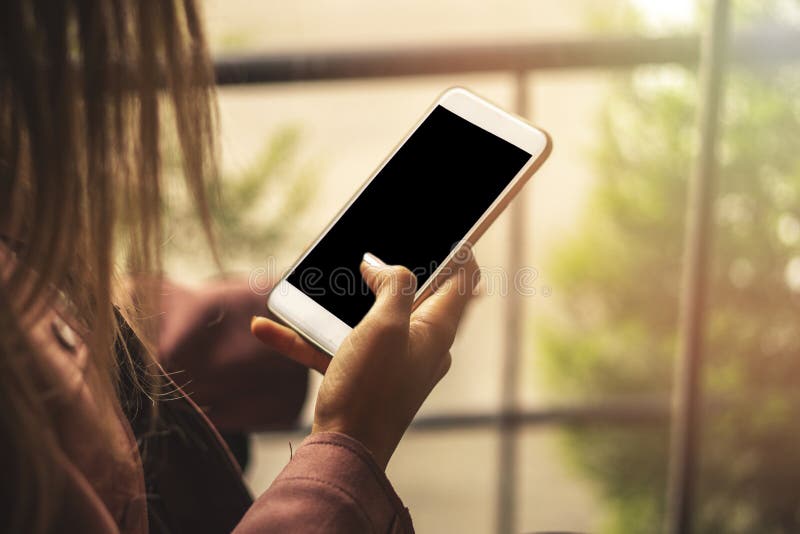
column 255, row 209
column 618, row 281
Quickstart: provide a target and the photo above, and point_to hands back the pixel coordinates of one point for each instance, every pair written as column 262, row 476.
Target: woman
column 95, row 435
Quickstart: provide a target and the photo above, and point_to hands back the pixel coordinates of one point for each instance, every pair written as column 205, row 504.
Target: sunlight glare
column 669, row 13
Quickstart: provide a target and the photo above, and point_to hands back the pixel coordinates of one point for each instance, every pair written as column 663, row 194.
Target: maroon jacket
column 138, row 472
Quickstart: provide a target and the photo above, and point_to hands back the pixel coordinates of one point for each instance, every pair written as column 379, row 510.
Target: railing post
column 508, row 447
column 687, row 389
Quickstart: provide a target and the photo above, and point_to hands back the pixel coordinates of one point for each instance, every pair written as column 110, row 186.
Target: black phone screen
column 416, row 209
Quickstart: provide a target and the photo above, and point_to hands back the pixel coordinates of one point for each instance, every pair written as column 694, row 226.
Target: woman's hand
column 389, row 363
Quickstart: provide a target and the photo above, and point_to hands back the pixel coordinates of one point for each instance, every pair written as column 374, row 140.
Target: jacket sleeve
column 205, row 342
column 331, row 485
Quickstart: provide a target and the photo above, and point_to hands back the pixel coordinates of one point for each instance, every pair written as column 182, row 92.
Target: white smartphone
column 435, row 194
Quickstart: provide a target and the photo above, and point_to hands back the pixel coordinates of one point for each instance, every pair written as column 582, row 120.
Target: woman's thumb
column 394, row 286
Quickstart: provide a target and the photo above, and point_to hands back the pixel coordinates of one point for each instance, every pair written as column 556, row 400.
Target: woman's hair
column 86, row 89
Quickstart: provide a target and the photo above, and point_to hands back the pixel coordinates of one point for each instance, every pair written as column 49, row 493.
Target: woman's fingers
column 440, row 314
column 435, row 320
column 289, row 343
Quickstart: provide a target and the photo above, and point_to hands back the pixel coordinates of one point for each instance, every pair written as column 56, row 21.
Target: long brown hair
column 86, row 87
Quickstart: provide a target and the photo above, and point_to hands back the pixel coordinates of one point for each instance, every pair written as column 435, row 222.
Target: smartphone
column 434, row 196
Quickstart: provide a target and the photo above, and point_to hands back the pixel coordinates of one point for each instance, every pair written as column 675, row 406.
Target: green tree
column 618, row 283
column 255, row 209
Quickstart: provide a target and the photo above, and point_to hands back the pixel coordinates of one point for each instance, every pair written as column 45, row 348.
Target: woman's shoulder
column 55, row 335
column 97, row 449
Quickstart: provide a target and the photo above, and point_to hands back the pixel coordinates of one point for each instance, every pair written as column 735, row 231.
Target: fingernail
column 254, row 319
column 372, row 260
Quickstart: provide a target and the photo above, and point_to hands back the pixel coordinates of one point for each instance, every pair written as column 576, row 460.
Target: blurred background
column 555, row 414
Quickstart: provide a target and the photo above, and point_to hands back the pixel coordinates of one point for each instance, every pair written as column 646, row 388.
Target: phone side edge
column 318, row 326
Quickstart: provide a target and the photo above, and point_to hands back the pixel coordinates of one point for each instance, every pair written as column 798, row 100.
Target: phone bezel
column 323, row 328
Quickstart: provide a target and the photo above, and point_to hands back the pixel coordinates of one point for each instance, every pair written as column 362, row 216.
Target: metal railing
column 759, row 47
